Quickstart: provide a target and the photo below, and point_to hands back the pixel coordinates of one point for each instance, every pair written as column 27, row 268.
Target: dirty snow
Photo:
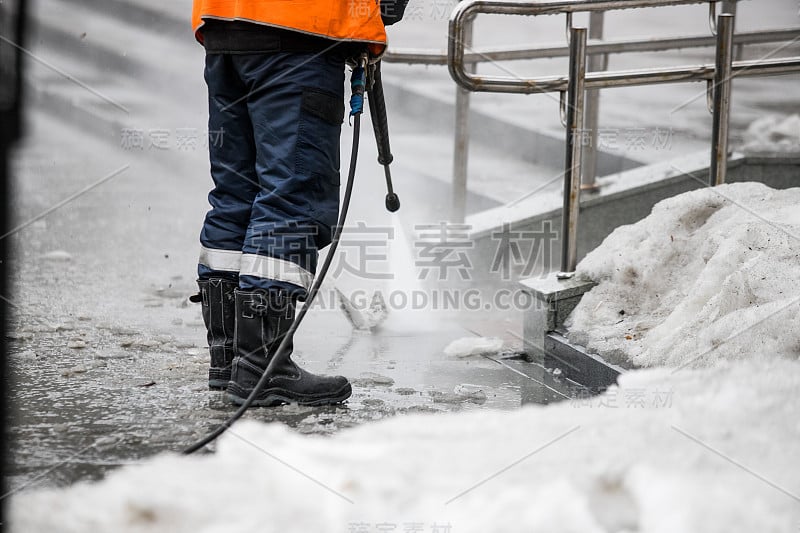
column 773, row 133
column 710, row 275
column 471, row 346
column 604, row 464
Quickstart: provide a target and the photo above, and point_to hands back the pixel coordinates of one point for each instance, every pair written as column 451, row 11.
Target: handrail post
column 596, row 63
column 722, row 99
column 729, row 7
column 461, row 140
column 572, row 170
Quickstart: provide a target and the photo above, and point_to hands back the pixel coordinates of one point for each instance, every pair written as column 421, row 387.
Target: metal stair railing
column 573, row 87
column 597, row 51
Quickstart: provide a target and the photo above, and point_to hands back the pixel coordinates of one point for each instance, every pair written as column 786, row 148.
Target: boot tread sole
column 275, row 397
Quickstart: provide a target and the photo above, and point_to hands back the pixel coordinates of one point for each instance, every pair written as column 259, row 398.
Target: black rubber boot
column 262, row 320
column 219, row 315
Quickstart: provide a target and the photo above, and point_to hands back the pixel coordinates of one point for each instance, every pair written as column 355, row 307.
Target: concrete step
column 49, row 34
column 112, row 45
column 95, row 70
column 172, row 17
column 495, row 175
column 497, row 129
column 548, row 388
column 578, row 365
column 82, row 100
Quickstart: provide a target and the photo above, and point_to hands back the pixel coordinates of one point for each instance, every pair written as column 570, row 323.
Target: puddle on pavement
column 91, row 391
column 141, row 395
column 109, row 367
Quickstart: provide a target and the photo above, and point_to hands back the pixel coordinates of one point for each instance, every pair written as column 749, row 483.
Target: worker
column 275, row 76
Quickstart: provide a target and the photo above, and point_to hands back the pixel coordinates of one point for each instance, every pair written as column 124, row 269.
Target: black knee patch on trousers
column 326, row 106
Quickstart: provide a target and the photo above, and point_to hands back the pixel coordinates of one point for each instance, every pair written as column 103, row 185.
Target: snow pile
column 470, row 346
column 773, row 133
column 637, row 459
column 710, row 275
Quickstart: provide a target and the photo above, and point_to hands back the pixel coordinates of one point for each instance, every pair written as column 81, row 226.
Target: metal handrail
column 578, row 81
column 598, row 51
column 629, row 78
column 594, row 46
column 464, row 13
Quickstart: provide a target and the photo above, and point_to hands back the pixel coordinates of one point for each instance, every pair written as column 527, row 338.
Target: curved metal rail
column 594, row 47
column 572, row 87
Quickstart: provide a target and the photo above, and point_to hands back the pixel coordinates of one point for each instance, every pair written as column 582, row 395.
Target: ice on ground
column 57, row 256
column 773, row 133
column 709, row 275
column 461, row 394
column 364, row 319
column 636, row 459
column 372, row 379
column 471, row 346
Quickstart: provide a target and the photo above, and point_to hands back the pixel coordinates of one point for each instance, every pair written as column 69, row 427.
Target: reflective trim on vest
column 355, row 20
column 224, row 260
column 262, row 266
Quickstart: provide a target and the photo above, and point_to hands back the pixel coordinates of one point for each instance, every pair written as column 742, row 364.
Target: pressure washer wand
column 377, row 112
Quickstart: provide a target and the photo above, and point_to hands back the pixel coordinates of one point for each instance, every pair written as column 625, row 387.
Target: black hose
column 281, row 354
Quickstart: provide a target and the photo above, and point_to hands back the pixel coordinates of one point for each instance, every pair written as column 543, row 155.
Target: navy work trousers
column 274, row 128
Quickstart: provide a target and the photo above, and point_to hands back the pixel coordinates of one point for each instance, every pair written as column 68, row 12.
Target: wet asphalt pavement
column 107, row 356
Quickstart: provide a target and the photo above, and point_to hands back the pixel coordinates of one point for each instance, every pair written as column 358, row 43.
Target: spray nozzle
column 392, row 202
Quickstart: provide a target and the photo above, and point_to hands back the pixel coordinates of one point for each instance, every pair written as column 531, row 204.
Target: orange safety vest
column 341, row 20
